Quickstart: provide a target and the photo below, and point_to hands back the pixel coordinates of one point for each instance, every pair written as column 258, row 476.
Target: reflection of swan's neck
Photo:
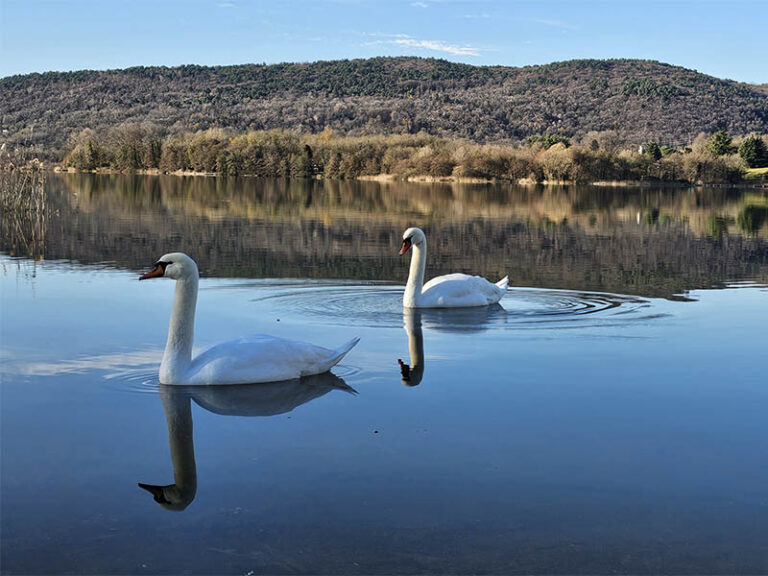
column 415, row 350
column 178, row 348
column 411, row 374
column 415, row 275
column 178, row 416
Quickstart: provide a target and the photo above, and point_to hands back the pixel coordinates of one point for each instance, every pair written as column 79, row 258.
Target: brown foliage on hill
column 641, row 100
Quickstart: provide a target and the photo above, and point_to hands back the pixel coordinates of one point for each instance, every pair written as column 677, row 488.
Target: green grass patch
column 756, row 174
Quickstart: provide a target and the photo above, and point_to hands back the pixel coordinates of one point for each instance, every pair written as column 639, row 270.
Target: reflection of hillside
column 652, row 242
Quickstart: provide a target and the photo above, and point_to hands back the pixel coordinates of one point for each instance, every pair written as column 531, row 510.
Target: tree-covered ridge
column 643, row 100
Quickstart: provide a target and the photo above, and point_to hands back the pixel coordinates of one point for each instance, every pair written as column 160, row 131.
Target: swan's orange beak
column 157, row 271
column 406, row 246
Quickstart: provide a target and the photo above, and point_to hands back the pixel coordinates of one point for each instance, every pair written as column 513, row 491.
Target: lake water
column 608, row 417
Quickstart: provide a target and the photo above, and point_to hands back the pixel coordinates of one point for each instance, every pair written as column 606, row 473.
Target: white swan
column 257, row 358
column 449, row 291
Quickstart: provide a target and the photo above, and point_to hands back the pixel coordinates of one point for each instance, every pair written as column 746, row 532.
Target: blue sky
column 724, row 39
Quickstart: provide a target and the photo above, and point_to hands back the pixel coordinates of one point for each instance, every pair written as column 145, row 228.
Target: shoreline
column 424, row 179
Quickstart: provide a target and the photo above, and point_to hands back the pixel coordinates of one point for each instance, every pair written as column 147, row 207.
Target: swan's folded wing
column 261, row 358
column 459, row 290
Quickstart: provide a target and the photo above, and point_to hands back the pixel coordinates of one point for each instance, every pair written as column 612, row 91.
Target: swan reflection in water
column 411, row 374
column 458, row 320
column 263, row 399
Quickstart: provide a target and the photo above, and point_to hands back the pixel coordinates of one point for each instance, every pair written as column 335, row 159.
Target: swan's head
column 410, row 237
column 410, row 375
column 170, row 497
column 175, row 265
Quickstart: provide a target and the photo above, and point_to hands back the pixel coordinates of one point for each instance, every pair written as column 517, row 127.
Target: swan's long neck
column 178, row 348
column 415, row 275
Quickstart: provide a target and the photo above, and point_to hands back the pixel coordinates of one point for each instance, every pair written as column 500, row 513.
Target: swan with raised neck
column 449, row 291
column 256, row 358
column 177, row 356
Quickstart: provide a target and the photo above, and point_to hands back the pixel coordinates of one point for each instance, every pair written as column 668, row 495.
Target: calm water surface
column 608, row 417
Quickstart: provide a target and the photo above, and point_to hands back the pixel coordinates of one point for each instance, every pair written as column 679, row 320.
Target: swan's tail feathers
column 503, row 283
column 346, row 347
column 337, row 354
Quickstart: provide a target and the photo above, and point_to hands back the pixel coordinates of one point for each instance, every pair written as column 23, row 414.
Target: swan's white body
column 449, row 291
column 257, row 358
column 261, row 358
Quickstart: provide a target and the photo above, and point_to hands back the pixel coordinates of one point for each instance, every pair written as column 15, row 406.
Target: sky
column 726, row 39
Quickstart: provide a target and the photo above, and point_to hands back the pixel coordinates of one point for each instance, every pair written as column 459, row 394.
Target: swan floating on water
column 253, row 359
column 449, row 291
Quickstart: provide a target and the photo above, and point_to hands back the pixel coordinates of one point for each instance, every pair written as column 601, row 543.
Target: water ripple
column 381, row 306
column 135, row 382
column 341, row 304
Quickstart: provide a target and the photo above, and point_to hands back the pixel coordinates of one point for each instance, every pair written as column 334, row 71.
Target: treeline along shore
column 598, row 157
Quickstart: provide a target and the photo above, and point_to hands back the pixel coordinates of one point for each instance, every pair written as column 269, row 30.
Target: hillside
column 643, row 100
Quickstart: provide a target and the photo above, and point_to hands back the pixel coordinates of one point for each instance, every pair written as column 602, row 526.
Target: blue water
column 563, row 432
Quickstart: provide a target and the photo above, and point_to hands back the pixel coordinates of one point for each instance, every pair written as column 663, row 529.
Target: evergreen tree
column 754, row 151
column 653, row 151
column 91, row 156
column 720, row 143
column 667, row 150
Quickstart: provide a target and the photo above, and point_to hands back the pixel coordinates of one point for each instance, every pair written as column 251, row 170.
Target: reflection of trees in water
column 595, row 207
column 752, row 218
column 566, row 237
column 717, row 226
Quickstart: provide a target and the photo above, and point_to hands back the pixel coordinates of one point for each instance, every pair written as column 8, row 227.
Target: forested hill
column 642, row 100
